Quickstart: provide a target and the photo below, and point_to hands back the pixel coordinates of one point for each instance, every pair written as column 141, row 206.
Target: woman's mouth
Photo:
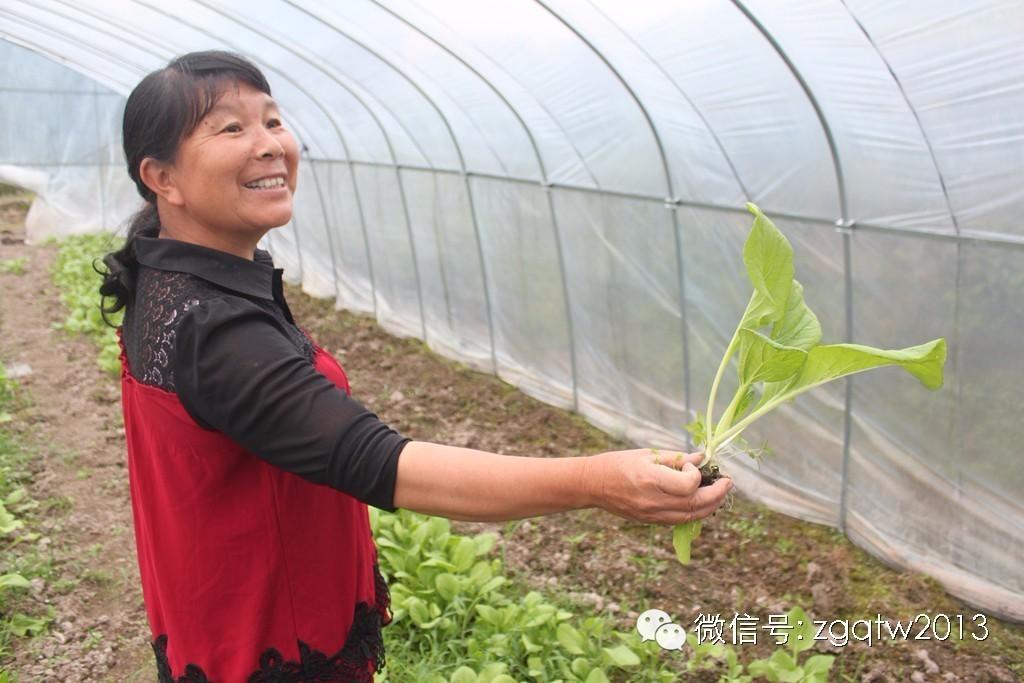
column 265, row 184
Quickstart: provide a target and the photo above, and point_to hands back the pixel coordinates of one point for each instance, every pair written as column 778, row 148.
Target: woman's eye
column 232, row 128
column 274, row 123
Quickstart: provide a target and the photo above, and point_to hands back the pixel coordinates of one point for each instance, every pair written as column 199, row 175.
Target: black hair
column 163, row 109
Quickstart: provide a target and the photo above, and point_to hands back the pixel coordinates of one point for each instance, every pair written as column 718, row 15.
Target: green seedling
column 776, row 366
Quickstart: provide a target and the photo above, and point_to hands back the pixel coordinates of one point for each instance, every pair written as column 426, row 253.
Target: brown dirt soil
column 748, row 558
column 74, row 426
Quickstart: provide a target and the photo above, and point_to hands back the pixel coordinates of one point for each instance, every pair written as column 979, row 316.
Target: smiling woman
column 233, row 177
column 250, row 464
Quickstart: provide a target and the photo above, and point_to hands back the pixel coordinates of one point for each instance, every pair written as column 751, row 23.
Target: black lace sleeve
column 237, row 371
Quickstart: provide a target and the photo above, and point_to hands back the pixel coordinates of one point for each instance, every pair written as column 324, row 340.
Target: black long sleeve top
column 215, row 329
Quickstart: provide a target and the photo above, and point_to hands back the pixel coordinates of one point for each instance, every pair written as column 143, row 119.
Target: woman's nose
column 268, row 147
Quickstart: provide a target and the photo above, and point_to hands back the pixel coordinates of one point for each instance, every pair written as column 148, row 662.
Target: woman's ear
column 157, row 177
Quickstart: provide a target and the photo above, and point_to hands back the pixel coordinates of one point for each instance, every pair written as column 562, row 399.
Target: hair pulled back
column 163, row 109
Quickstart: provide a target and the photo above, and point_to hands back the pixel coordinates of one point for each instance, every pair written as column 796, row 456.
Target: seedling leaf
column 765, row 360
column 682, row 538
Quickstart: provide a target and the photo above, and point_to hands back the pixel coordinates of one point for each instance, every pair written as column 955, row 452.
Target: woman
column 250, row 465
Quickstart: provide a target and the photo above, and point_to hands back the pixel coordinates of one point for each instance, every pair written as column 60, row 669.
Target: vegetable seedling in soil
column 777, row 366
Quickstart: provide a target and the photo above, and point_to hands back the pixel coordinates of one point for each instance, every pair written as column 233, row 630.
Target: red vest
column 238, row 556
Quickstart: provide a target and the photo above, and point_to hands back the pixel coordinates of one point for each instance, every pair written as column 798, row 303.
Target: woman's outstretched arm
column 478, row 486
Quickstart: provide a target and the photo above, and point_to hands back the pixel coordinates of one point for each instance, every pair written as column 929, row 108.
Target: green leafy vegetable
column 777, row 365
column 682, row 538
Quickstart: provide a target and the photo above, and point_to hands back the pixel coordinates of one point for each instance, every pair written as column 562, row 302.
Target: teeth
column 266, row 183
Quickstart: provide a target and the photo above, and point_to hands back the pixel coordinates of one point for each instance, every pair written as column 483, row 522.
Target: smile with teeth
column 266, row 184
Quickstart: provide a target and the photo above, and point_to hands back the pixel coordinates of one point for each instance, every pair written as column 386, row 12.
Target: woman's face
column 237, row 170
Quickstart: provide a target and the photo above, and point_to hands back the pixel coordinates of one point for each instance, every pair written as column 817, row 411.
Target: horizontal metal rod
column 966, row 235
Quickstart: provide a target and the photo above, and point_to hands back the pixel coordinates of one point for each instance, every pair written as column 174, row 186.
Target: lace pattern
column 162, row 297
column 363, row 645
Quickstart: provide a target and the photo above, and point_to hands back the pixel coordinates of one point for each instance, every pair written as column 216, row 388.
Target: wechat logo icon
column 657, row 625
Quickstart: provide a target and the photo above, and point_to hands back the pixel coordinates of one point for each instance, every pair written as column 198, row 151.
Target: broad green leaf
column 799, row 327
column 765, row 360
column 580, row 666
column 571, row 639
column 768, row 257
column 492, row 584
column 447, row 586
column 417, row 610
column 819, row 664
column 480, row 573
column 488, row 614
column 484, row 543
column 622, row 655
column 794, row 676
column 535, row 667
column 782, row 661
column 16, row 496
column 7, row 521
column 682, row 539
column 596, row 676
column 23, row 625
column 697, row 430
column 420, row 533
column 801, row 637
column 465, row 554
column 528, row 645
column 828, row 362
column 13, row 581
column 761, row 667
column 463, row 675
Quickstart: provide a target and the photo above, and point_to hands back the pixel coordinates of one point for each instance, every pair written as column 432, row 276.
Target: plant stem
column 735, row 430
column 730, row 412
column 709, row 451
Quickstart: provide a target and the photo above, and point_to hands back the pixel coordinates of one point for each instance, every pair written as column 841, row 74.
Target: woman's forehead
column 234, row 97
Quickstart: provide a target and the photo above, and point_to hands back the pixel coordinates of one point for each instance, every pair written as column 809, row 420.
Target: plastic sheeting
column 551, row 190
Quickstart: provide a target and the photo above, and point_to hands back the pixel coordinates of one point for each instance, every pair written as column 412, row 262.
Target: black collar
column 255, row 278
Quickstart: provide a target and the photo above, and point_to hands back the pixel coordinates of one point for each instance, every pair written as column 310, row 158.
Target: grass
column 27, row 554
column 15, row 266
column 73, row 273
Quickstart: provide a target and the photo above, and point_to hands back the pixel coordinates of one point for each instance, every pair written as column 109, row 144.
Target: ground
column 748, row 559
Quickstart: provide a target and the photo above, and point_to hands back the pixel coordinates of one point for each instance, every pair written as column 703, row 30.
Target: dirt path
column 100, row 632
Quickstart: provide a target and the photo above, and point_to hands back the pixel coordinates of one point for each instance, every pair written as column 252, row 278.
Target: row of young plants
column 74, row 272
column 24, row 555
column 459, row 619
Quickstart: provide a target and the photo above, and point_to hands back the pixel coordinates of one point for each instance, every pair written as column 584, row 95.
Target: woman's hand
column 656, row 487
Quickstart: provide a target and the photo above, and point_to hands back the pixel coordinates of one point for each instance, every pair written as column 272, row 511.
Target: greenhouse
column 554, row 192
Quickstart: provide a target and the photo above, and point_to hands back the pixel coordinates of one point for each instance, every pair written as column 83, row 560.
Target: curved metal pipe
column 670, row 200
column 956, row 228
column 844, row 225
column 682, row 93
column 551, row 117
column 544, row 182
column 462, row 166
column 818, row 111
